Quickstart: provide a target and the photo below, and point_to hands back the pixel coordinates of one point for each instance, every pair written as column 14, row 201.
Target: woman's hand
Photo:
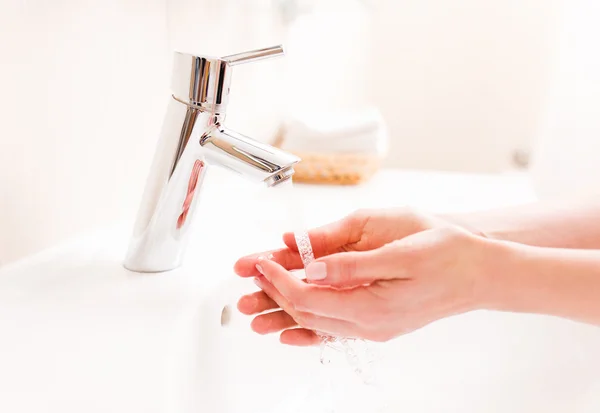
column 383, row 293
column 379, row 266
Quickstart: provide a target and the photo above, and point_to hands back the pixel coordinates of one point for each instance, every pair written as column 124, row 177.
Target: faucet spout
column 246, row 156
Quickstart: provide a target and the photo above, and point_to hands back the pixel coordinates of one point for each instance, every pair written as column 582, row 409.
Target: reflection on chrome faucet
column 194, row 137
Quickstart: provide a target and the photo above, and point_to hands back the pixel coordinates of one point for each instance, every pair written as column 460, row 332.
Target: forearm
column 566, row 225
column 558, row 282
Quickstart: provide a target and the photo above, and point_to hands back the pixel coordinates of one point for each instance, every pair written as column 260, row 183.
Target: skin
column 390, row 272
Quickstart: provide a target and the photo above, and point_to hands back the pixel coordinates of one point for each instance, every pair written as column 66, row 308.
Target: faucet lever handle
column 254, row 55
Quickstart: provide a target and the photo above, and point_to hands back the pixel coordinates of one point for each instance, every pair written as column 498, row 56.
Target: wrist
column 502, row 275
column 524, row 279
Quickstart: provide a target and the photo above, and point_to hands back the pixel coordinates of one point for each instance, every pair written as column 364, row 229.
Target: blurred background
column 468, row 86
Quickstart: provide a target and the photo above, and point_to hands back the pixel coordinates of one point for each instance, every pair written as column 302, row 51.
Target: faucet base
column 173, row 188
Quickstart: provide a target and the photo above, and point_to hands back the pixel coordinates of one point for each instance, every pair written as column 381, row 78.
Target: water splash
column 358, row 353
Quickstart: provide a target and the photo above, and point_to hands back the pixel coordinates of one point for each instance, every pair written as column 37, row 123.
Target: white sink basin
column 81, row 334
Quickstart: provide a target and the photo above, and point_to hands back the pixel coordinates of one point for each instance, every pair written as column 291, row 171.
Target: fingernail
column 316, row 271
column 258, row 283
column 259, row 268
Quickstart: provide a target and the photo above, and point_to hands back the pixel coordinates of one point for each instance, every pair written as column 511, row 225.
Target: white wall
column 84, row 84
column 83, row 88
column 461, row 82
column 567, row 148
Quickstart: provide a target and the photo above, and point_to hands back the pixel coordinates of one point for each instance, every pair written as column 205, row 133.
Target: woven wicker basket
column 333, row 168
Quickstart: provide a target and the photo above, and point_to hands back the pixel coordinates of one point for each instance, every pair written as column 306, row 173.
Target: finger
column 336, row 327
column 299, row 337
column 355, row 268
column 323, row 301
column 331, row 237
column 255, row 303
column 275, row 295
column 289, row 259
column 272, row 322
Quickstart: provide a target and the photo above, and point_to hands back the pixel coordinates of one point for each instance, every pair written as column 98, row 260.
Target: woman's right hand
column 363, row 230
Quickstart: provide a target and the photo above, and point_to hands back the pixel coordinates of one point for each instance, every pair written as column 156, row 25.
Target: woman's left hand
column 382, row 293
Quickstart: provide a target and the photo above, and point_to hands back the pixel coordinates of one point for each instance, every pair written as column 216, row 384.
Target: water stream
column 346, row 380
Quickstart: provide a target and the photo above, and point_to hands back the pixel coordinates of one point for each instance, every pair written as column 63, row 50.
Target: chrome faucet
column 193, row 137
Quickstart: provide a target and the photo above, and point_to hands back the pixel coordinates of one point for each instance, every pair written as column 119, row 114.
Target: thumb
column 351, row 269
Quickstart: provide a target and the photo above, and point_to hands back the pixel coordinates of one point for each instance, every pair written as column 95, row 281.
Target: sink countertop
column 78, row 332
